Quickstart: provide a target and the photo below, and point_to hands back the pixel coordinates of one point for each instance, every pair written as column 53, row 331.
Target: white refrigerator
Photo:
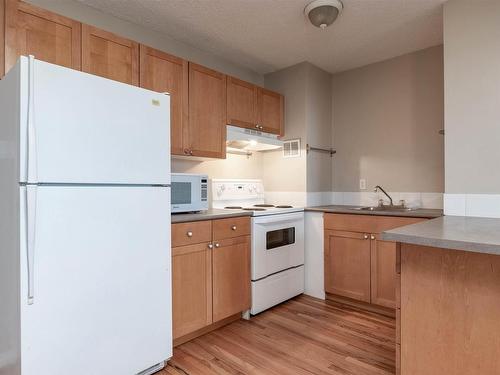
column 85, row 267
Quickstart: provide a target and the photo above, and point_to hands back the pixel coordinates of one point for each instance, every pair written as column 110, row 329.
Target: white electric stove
column 277, row 241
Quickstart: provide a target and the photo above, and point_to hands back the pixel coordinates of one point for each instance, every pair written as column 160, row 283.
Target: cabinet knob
column 233, row 227
column 186, row 151
column 210, row 246
column 190, row 152
column 189, row 234
column 372, row 237
column 365, row 236
column 217, row 245
column 257, row 126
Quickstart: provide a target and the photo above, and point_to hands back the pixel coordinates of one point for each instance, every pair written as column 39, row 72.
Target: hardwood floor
column 302, row 336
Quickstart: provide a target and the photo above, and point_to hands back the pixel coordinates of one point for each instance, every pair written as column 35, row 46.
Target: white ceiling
column 268, row 35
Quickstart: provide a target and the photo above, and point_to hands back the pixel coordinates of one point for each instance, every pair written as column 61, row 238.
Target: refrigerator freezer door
column 82, row 128
column 101, row 280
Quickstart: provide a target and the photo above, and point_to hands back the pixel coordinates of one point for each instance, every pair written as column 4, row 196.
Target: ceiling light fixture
column 322, row 13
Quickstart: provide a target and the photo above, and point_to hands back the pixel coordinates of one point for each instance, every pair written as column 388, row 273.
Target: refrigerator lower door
column 83, row 128
column 100, row 299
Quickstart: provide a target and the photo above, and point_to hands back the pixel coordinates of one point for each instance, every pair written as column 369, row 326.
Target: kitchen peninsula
column 448, row 297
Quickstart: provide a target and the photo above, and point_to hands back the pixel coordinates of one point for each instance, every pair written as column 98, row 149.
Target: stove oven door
column 277, row 243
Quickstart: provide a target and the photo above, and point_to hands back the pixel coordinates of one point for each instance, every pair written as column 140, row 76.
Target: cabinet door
column 207, row 112
column 108, row 55
column 231, row 277
column 191, row 288
column 30, row 30
column 347, row 264
column 383, row 272
column 271, row 111
column 162, row 72
column 241, row 103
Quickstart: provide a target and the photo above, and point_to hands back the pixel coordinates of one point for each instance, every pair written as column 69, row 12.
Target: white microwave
column 189, row 192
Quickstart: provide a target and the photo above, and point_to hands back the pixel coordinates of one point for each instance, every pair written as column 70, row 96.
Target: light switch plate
column 362, row 184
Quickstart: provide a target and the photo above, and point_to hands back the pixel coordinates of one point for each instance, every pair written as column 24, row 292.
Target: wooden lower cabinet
column 191, row 288
column 383, row 274
column 347, row 258
column 358, row 265
column 231, row 277
column 210, row 274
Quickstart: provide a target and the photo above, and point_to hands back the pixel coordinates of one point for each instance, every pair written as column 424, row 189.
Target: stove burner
column 284, row 206
column 233, row 208
column 254, row 209
column 263, row 205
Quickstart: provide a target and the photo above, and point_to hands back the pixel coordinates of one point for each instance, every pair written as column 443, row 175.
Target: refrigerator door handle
column 30, row 217
column 31, row 166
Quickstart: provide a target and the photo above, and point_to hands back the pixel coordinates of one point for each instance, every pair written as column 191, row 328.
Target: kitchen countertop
column 208, row 215
column 344, row 209
column 473, row 234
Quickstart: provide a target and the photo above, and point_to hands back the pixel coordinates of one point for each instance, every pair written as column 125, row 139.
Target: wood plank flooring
column 302, row 336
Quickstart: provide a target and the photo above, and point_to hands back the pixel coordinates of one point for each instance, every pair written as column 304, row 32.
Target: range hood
column 242, row 139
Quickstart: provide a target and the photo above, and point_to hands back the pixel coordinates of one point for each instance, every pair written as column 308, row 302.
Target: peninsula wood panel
column 162, row 72
column 383, row 272
column 271, row 111
column 450, row 301
column 108, row 55
column 2, row 38
column 241, row 103
column 207, row 112
column 30, row 30
column 231, row 277
column 347, row 264
column 191, row 288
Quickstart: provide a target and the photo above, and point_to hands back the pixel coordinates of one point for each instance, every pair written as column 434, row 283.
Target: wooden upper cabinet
column 108, row 55
column 162, row 72
column 231, row 277
column 347, row 264
column 241, row 103
column 30, row 30
column 271, row 111
column 207, row 113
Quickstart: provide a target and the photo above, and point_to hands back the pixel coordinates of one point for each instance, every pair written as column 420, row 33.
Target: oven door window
column 280, row 237
column 181, row 193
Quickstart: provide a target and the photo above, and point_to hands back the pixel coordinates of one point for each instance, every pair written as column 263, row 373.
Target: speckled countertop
column 208, row 215
column 474, row 234
column 343, row 209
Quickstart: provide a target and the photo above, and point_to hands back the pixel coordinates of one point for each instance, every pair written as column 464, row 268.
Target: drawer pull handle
column 189, row 234
column 372, row 237
column 365, row 236
column 233, row 227
column 217, row 245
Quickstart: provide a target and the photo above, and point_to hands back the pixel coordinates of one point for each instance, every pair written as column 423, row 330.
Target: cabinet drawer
column 367, row 223
column 231, row 227
column 191, row 233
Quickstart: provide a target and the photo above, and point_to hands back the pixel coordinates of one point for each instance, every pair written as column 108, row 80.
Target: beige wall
column 235, row 166
column 386, row 119
column 472, row 96
column 319, row 129
column 288, row 174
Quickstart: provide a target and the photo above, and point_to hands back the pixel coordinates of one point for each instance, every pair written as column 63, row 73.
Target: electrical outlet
column 362, row 184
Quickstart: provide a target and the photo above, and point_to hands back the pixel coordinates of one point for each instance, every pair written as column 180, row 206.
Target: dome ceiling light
column 322, row 13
